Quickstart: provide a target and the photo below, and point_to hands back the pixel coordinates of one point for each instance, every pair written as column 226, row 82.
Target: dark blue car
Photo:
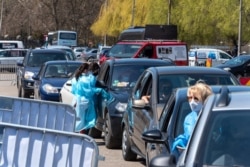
column 51, row 77
column 239, row 66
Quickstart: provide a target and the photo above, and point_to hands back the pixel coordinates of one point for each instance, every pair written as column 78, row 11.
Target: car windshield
column 236, row 61
column 227, row 139
column 124, row 50
column 169, row 82
column 60, row 70
column 125, row 76
column 37, row 59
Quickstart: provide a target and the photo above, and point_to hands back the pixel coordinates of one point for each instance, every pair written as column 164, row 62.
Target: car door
column 37, row 82
column 102, row 77
column 247, row 69
column 142, row 116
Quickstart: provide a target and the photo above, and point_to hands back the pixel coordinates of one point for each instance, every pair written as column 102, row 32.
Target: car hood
column 226, row 66
column 121, row 96
column 56, row 82
column 32, row 69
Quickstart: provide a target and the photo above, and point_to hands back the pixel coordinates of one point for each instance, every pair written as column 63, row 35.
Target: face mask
column 195, row 106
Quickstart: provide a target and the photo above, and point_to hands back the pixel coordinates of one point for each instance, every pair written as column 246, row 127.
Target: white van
column 198, row 57
column 11, row 44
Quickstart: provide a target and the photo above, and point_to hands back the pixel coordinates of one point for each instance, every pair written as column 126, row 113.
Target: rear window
column 37, row 59
column 124, row 50
column 125, row 76
column 13, row 53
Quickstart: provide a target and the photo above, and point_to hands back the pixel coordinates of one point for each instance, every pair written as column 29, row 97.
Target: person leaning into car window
column 196, row 95
column 84, row 93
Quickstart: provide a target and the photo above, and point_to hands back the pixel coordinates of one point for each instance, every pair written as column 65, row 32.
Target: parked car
column 239, row 66
column 140, row 116
column 89, row 55
column 172, row 118
column 119, row 76
column 111, row 72
column 10, row 57
column 31, row 64
column 220, row 136
column 198, row 57
column 102, row 50
column 51, row 77
column 78, row 51
column 68, row 50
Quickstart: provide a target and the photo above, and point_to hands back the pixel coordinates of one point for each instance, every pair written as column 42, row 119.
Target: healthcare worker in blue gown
column 196, row 96
column 85, row 92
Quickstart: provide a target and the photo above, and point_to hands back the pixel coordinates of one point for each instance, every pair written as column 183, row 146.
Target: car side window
column 183, row 111
column 224, row 56
column 144, row 86
column 106, row 76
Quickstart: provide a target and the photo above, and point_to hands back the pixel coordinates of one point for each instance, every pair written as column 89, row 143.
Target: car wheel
column 110, row 142
column 60, row 98
column 22, row 93
column 95, row 133
column 19, row 91
column 127, row 153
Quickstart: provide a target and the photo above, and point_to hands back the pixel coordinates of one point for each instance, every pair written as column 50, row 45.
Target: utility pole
column 105, row 35
column 169, row 11
column 239, row 35
column 1, row 19
column 133, row 13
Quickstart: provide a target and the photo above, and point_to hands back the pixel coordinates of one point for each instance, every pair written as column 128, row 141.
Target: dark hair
column 82, row 69
column 94, row 68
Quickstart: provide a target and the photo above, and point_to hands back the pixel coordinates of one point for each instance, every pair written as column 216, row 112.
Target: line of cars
column 31, row 65
column 136, row 117
column 140, row 116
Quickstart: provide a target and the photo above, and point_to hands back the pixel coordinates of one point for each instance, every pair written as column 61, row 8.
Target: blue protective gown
column 182, row 139
column 85, row 93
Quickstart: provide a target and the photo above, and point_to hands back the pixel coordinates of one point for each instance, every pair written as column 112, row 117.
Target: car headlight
column 121, row 107
column 227, row 69
column 28, row 75
column 49, row 89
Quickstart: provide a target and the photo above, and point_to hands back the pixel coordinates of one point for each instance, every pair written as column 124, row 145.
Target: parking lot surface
column 113, row 157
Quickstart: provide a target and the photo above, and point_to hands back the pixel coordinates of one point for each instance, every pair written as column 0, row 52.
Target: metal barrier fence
column 8, row 72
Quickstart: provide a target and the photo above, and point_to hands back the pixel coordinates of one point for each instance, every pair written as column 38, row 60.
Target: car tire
column 110, row 142
column 127, row 153
column 22, row 93
column 95, row 133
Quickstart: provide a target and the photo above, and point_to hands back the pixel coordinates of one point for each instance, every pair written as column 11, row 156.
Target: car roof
column 57, row 46
column 137, row 61
column 244, row 56
column 162, row 42
column 62, row 62
column 48, row 51
column 188, row 70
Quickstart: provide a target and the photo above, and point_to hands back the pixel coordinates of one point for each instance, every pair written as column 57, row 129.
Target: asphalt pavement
column 113, row 157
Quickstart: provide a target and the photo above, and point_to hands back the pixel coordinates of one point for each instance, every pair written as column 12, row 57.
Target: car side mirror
column 35, row 77
column 163, row 161
column 20, row 63
column 68, row 83
column 140, row 104
column 153, row 136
